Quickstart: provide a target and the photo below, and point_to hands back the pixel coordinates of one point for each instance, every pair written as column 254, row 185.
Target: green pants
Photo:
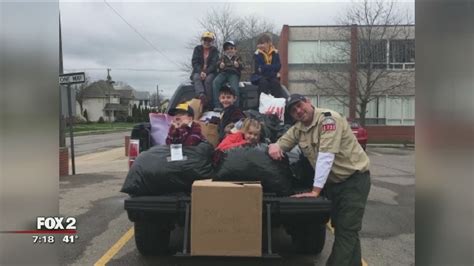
column 348, row 204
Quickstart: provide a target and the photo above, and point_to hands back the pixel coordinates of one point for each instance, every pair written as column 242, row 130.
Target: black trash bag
column 254, row 164
column 265, row 133
column 152, row 174
column 272, row 127
column 142, row 132
column 303, row 172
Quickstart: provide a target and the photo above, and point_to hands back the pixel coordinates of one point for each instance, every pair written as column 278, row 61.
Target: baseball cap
column 294, row 98
column 183, row 107
column 228, row 43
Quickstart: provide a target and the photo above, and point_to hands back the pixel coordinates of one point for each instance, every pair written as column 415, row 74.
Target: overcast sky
column 96, row 38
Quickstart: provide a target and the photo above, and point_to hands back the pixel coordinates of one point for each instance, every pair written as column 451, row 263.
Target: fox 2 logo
column 56, row 223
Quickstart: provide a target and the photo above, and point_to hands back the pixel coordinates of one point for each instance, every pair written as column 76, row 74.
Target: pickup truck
column 154, row 217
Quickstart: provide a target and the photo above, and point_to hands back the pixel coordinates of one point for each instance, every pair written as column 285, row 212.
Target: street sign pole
column 71, row 125
column 68, row 79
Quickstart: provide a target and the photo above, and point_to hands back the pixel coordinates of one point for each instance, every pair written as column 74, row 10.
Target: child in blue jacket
column 267, row 66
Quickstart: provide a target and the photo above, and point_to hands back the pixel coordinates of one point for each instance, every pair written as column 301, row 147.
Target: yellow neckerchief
column 267, row 57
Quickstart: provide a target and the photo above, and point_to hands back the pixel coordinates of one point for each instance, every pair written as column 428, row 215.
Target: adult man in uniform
column 341, row 168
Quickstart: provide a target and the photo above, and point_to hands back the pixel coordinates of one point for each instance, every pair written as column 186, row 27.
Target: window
column 408, row 110
column 400, row 110
column 384, row 110
column 373, row 51
column 303, row 52
column 313, row 99
column 330, row 102
column 402, row 54
column 394, row 111
column 391, row 110
column 402, row 51
column 375, row 112
column 334, row 52
column 318, row 52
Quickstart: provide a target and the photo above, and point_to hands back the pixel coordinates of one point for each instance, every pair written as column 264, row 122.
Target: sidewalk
column 97, row 132
column 388, row 145
column 113, row 160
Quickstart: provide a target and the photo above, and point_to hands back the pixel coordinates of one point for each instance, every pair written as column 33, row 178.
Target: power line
column 141, row 36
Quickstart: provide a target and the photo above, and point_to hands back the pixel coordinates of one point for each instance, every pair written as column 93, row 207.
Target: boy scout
column 341, row 168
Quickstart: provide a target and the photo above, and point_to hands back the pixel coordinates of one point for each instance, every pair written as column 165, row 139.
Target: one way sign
column 72, row 78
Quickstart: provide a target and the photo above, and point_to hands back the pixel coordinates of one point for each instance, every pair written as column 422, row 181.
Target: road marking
column 115, row 248
column 329, row 226
column 376, row 153
column 129, row 234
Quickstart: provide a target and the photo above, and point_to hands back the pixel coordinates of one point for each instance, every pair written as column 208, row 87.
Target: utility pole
column 110, row 82
column 157, row 96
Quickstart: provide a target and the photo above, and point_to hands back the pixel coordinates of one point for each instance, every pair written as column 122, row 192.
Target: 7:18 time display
column 43, row 239
column 68, row 239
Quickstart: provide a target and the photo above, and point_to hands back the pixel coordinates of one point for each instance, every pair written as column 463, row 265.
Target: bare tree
column 80, row 91
column 381, row 38
column 252, row 27
column 224, row 22
column 227, row 24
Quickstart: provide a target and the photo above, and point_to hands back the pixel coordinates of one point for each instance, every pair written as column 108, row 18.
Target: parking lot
column 106, row 234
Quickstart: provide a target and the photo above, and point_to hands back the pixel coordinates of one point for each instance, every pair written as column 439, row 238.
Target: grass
column 105, row 127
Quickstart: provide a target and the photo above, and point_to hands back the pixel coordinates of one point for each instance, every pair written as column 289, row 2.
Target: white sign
column 72, row 78
column 176, row 152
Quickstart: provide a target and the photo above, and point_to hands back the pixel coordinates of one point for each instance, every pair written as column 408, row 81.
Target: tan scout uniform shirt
column 329, row 132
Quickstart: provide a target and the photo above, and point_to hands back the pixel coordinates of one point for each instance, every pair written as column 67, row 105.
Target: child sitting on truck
column 267, row 67
column 230, row 66
column 249, row 134
column 231, row 113
column 183, row 129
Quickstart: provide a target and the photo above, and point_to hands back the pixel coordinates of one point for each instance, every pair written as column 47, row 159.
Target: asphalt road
column 387, row 236
column 95, row 143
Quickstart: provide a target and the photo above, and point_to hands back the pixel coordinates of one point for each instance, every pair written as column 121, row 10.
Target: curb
column 389, row 145
column 86, row 133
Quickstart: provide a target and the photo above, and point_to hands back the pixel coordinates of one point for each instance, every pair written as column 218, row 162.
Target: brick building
column 328, row 64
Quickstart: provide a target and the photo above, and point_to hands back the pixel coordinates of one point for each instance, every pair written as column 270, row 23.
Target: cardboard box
column 210, row 132
column 226, row 219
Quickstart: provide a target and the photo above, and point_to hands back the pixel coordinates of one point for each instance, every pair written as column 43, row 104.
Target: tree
column 375, row 23
column 156, row 101
column 80, row 91
column 227, row 24
column 135, row 113
column 223, row 22
column 86, row 116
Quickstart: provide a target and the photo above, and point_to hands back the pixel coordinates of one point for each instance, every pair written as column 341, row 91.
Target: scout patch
column 329, row 124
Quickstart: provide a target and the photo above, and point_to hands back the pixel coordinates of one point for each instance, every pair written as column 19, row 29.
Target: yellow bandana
column 267, row 57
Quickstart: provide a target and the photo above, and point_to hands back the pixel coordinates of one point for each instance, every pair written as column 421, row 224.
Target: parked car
column 360, row 133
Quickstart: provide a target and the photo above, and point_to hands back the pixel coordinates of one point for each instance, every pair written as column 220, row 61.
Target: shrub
column 120, row 118
column 101, row 120
column 129, row 119
column 76, row 119
column 79, row 120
